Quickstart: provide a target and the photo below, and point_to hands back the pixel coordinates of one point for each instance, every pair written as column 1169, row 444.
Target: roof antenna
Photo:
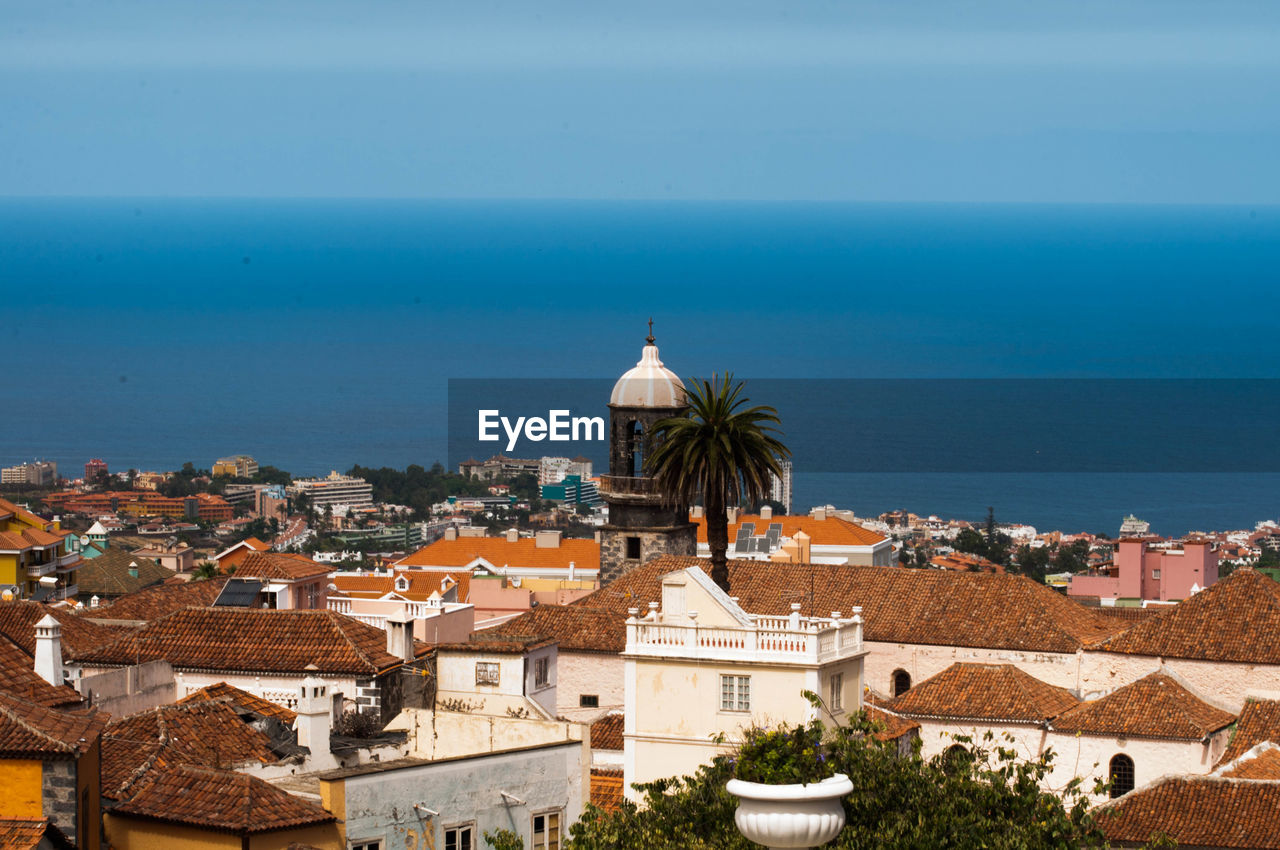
column 649, row 338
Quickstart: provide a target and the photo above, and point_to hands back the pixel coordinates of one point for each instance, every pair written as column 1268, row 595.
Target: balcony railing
column 808, row 641
column 622, row 485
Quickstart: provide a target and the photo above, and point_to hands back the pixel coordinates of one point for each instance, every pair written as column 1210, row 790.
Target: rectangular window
column 367, row 844
column 541, row 672
column 459, row 837
column 735, row 693
column 588, row 700
column 1155, row 574
column 836, row 701
column 633, row 548
column 486, row 672
column 546, row 831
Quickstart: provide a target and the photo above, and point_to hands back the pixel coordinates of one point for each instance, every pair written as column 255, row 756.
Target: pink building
column 1138, row 572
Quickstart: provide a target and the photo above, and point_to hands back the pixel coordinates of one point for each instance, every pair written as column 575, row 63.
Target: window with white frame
column 541, row 672
column 486, row 672
column 461, row 837
column 367, row 844
column 1155, row 574
column 835, row 702
column 546, row 831
column 735, row 693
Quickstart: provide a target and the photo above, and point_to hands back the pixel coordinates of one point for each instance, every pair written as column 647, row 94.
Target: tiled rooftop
column 1263, row 762
column 254, row 640
column 606, row 733
column 1201, row 811
column 18, row 623
column 1155, row 706
column 272, row 566
column 606, row 788
column 23, row 834
column 18, row 678
column 242, row 701
column 155, row 602
column 992, row 692
column 208, row 734
column 220, row 800
column 584, row 554
column 894, row 727
column 899, row 606
column 1259, row 721
column 1235, row 619
column 108, row 574
column 831, row 531
column 423, row 584
column 34, row 731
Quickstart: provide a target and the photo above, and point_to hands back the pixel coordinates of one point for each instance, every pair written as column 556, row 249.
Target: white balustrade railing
column 779, row 638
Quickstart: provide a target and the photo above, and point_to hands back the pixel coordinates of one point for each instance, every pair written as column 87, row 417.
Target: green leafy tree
column 504, row 839
column 991, row 798
column 204, row 571
column 720, row 450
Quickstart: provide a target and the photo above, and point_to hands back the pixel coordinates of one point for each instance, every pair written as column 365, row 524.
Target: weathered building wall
column 128, row 690
column 598, row 674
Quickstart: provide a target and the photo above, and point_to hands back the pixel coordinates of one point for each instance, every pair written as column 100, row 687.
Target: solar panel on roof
column 772, row 537
column 742, row 541
column 749, row 526
column 238, row 593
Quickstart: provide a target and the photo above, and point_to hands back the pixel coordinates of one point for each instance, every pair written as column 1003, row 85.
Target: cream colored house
column 697, row 666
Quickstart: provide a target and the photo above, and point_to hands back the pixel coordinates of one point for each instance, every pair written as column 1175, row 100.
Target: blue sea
column 318, row 334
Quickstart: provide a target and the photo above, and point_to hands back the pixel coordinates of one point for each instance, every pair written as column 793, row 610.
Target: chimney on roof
column 400, row 635
column 818, row 513
column 451, row 533
column 547, row 540
column 133, row 569
column 314, row 707
column 697, row 511
column 766, row 512
column 732, row 514
column 803, row 547
column 49, row 650
column 513, row 535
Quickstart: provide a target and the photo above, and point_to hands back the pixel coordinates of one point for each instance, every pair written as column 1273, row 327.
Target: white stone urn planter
column 790, row 815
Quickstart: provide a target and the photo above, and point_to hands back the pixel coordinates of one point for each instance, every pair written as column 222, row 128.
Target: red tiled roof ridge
column 975, row 690
column 1259, row 721
column 1203, row 810
column 1171, row 709
column 28, row 715
column 1266, row 751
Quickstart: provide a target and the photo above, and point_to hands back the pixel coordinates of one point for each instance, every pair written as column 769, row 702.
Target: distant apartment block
column 573, row 490
column 780, row 486
column 334, row 489
column 95, row 469
column 238, row 466
column 40, row 473
column 498, row 466
column 1141, row 572
column 263, row 500
column 553, row 470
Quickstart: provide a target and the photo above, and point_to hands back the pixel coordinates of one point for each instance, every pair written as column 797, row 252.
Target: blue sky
column 1041, row 102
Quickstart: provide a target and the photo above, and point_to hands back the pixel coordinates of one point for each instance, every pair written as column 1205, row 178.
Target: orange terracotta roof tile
column 18, row 623
column 1235, row 619
column 273, row 566
column 997, row 692
column 152, row 603
column 934, row 607
column 1259, row 722
column 242, row 701
column 254, row 640
column 13, row 541
column 7, row 507
column 22, row 834
column 1200, row 811
column 606, row 789
column 109, row 574
column 606, row 733
column 832, row 531
column 1260, row 763
column 208, row 734
column 497, row 551
column 892, row 726
column 1155, row 706
column 422, row 584
column 34, row 731
column 18, row 678
column 220, row 799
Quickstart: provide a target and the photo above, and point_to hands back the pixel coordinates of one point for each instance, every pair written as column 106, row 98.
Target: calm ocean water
column 319, row 334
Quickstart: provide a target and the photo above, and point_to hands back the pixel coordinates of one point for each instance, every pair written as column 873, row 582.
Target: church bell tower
column 641, row 525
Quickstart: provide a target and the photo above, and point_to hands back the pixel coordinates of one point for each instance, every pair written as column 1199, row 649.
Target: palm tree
column 721, row 450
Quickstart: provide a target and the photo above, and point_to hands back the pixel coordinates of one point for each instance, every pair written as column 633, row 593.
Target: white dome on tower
column 649, row 383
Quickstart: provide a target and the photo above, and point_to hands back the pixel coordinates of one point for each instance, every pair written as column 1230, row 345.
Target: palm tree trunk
column 718, row 540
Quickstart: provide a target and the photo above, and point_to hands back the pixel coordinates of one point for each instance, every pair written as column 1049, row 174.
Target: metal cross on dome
column 649, row 338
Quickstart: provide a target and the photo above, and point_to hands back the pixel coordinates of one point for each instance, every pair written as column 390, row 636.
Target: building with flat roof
column 334, row 489
column 37, row 473
column 236, row 466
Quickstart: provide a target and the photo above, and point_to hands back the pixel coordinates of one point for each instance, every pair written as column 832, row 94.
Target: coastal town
column 516, row 649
